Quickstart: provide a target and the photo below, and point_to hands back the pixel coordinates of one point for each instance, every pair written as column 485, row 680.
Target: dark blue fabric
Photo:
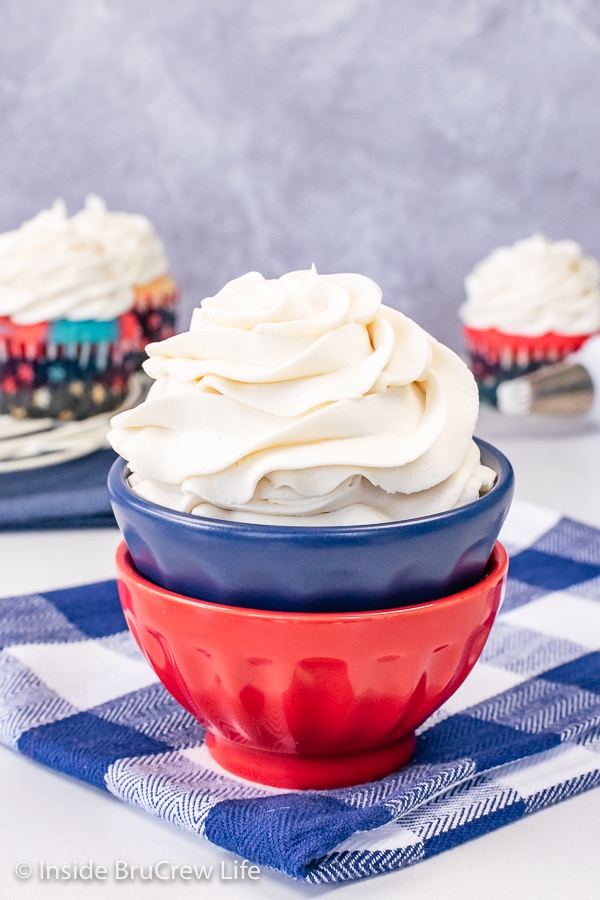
column 93, row 608
column 85, row 745
column 437, row 843
column 489, row 744
column 583, row 672
column 70, row 495
column 284, row 831
column 553, row 573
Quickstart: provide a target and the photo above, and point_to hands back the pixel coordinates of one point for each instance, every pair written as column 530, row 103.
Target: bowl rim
column 497, row 565
column 121, row 492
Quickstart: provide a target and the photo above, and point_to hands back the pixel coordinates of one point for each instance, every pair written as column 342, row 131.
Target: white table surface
column 47, row 817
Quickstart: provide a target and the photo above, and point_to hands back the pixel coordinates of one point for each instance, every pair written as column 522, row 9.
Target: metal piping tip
column 564, row 389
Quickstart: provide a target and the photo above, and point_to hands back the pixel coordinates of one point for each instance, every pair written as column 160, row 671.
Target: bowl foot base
column 309, row 773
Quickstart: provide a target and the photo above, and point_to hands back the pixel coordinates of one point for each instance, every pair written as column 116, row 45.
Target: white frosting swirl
column 534, row 287
column 83, row 267
column 304, row 400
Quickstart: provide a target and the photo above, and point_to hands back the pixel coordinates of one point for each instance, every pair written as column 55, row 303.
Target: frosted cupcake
column 80, row 297
column 528, row 305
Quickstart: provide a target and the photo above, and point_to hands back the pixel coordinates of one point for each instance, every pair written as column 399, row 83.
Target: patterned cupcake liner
column 70, row 371
column 67, row 370
column 497, row 357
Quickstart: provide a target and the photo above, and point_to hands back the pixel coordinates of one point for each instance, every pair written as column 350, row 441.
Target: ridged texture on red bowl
column 310, row 700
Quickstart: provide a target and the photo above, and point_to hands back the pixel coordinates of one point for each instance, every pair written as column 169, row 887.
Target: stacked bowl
column 311, row 655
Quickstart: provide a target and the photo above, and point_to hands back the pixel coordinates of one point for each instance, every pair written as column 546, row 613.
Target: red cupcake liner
column 36, row 343
column 508, row 350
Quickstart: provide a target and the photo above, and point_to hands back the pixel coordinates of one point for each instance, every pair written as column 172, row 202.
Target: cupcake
column 528, row 306
column 80, row 297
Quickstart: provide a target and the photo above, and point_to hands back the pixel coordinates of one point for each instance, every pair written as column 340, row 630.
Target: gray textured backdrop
column 399, row 138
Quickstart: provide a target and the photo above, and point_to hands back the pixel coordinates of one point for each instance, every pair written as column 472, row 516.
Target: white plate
column 35, row 443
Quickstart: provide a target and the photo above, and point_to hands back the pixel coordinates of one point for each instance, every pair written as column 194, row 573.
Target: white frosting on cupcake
column 80, row 267
column 534, row 287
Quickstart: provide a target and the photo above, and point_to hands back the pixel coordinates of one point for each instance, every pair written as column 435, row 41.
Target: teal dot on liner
column 56, row 373
column 88, row 331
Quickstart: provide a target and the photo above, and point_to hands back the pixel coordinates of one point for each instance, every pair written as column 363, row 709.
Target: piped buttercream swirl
column 79, row 267
column 304, row 400
column 534, row 287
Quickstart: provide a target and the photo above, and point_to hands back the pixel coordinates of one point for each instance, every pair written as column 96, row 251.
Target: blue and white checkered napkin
column 522, row 733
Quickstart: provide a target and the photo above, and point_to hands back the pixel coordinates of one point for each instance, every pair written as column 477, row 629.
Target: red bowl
column 310, row 700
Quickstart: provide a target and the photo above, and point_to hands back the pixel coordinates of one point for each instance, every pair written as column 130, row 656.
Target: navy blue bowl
column 304, row 569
